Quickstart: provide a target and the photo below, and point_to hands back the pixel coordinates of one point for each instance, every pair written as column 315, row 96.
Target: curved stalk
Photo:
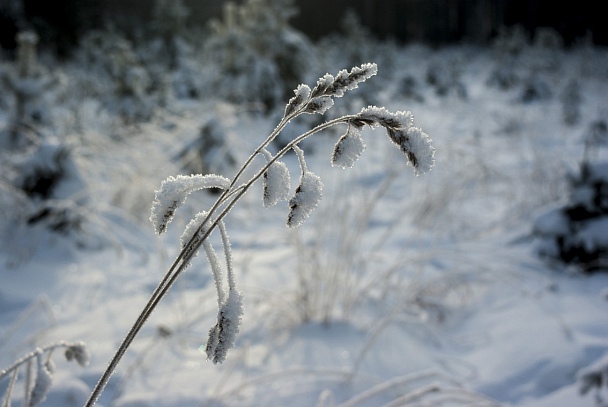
column 182, row 260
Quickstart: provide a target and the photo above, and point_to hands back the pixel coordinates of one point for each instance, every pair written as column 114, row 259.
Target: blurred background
column 437, row 22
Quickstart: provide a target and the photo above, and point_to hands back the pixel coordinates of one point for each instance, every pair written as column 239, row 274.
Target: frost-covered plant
column 575, row 234
column 120, row 78
column 131, row 81
column 170, row 55
column 38, row 371
column 334, row 271
column 47, row 182
column 276, row 187
column 508, row 47
column 39, row 180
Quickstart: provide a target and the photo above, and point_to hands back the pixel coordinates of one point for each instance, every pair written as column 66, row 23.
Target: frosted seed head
column 348, row 149
column 296, row 102
column 79, row 352
column 319, row 105
column 322, row 85
column 350, row 80
column 173, row 193
column 339, row 85
column 417, row 146
column 212, row 342
column 223, row 334
column 419, row 149
column 44, row 379
column 307, row 197
column 415, row 143
column 375, row 116
column 276, row 184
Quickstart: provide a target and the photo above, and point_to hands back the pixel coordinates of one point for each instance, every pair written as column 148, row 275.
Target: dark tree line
column 61, row 22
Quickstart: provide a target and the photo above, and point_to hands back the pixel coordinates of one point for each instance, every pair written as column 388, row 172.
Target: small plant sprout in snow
column 39, row 370
column 276, row 187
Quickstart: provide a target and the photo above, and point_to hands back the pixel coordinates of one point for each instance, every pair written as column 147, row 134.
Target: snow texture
column 348, row 149
column 222, row 335
column 173, row 192
column 192, row 227
column 307, row 197
column 319, row 105
column 413, row 142
column 295, row 103
column 276, row 184
column 417, row 145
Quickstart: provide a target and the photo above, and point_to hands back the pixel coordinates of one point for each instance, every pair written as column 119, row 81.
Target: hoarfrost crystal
column 276, row 184
column 348, row 149
column 173, row 192
column 307, row 197
column 223, row 334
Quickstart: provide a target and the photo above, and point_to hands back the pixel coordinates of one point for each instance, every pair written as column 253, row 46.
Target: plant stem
column 188, row 251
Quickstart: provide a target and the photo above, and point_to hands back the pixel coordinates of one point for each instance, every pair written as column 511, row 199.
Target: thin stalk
column 182, row 260
column 32, row 355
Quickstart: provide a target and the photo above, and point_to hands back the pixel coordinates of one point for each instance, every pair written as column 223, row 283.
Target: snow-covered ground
column 398, row 289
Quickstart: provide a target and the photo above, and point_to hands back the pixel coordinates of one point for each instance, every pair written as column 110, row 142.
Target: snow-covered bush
column 31, row 87
column 508, row 47
column 254, row 56
column 170, row 54
column 40, row 181
column 276, row 187
column 117, row 76
column 43, row 186
column 575, row 234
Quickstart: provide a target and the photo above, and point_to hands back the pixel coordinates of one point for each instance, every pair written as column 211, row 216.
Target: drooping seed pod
column 276, row 184
column 173, row 192
column 348, row 149
column 307, row 197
